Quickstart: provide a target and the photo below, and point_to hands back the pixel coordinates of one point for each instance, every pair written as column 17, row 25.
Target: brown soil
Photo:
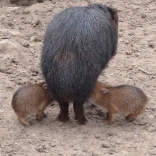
column 22, row 29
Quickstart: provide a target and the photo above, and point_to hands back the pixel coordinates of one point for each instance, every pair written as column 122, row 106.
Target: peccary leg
column 132, row 116
column 79, row 113
column 40, row 112
column 63, row 116
column 24, row 121
column 110, row 116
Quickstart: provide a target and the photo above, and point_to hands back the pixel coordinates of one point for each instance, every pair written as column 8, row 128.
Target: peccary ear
column 45, row 86
column 114, row 15
column 104, row 91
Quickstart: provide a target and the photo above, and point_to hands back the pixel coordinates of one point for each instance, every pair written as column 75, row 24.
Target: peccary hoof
column 82, row 120
column 128, row 118
column 63, row 118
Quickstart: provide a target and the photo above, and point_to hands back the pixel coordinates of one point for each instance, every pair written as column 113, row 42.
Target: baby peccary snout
column 31, row 100
column 125, row 99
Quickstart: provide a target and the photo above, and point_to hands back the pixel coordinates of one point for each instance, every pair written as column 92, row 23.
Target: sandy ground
column 22, row 30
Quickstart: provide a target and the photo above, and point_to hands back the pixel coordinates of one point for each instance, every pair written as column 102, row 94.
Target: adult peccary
column 78, row 44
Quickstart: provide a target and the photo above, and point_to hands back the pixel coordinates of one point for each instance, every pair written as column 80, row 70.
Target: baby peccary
column 31, row 99
column 124, row 98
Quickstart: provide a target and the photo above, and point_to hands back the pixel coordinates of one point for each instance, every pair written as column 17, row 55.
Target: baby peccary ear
column 45, row 86
column 104, row 91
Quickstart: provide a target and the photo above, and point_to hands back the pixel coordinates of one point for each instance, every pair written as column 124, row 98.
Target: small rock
column 45, row 146
column 53, row 145
column 97, row 137
column 105, row 145
column 26, row 45
column 110, row 134
column 131, row 34
column 142, row 123
column 126, row 42
column 38, row 22
column 135, row 135
column 33, row 39
column 33, row 134
column 41, row 150
column 136, row 55
column 34, row 71
column 100, row 113
column 151, row 116
column 128, row 53
column 26, row 12
column 143, row 16
column 14, row 61
column 151, row 45
column 111, row 152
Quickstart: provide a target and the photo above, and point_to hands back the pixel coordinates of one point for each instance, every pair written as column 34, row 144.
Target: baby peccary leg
column 40, row 112
column 24, row 121
column 110, row 115
column 63, row 116
column 132, row 116
column 79, row 113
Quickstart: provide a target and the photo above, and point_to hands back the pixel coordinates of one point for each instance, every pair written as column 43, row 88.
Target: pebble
column 26, row 45
column 105, row 145
column 41, row 150
column 32, row 39
column 143, row 16
column 151, row 116
column 128, row 53
column 110, row 134
column 53, row 145
column 151, row 45
column 97, row 137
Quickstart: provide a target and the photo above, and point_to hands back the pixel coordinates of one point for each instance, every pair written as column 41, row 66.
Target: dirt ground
column 22, row 29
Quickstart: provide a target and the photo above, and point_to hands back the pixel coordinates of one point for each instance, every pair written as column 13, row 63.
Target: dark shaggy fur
column 78, row 44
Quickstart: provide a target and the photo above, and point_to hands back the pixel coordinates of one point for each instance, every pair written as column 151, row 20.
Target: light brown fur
column 31, row 99
column 125, row 99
